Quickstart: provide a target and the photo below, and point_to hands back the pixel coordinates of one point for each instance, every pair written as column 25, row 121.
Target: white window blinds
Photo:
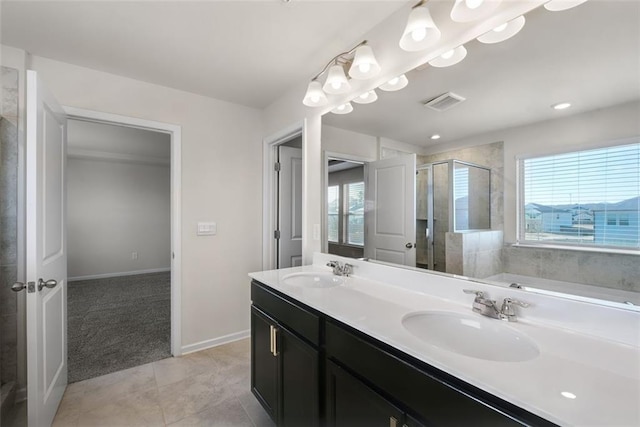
column 587, row 197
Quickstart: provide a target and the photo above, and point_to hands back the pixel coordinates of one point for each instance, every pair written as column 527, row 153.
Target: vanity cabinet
column 285, row 360
column 309, row 369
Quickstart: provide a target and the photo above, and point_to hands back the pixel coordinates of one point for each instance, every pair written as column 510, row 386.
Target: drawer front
column 430, row 398
column 295, row 317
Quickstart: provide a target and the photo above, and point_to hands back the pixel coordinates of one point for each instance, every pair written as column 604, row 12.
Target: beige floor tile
column 193, row 395
column 121, row 383
column 132, row 374
column 256, row 412
column 140, row 408
column 229, row 413
column 168, row 371
column 69, row 410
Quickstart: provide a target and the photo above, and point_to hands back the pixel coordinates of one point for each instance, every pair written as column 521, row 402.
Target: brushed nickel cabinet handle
column 271, row 339
column 275, row 341
column 393, row 422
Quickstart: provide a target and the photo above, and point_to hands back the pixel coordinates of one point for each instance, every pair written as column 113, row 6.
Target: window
column 586, row 198
column 354, row 214
column 345, row 210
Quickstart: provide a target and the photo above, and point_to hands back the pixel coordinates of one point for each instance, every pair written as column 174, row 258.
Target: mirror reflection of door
column 391, row 214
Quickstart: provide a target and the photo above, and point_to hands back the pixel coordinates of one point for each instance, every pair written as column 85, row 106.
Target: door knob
column 408, row 245
column 18, row 286
column 49, row 284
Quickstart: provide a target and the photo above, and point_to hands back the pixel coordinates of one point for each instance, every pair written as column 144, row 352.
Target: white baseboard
column 124, row 273
column 215, row 342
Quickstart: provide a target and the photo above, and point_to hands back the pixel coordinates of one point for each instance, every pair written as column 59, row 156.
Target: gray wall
column 114, row 209
column 8, row 231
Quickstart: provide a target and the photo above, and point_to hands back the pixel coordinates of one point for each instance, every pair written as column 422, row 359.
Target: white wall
column 221, row 182
column 115, row 209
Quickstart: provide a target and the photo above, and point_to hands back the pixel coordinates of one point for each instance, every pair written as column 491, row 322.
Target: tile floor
column 207, row 388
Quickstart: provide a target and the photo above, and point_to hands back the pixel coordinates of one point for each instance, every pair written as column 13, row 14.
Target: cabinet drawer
column 431, row 399
column 295, row 317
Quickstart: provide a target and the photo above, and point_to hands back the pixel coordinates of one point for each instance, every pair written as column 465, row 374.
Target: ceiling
column 246, row 52
column 588, row 55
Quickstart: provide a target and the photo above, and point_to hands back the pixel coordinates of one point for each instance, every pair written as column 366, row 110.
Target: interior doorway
column 119, row 247
column 283, row 198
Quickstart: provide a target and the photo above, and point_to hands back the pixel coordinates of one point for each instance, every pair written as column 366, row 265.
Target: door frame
column 326, row 156
column 175, row 132
column 270, row 189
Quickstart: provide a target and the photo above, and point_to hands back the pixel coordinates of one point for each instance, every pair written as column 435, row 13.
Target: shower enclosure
column 451, row 196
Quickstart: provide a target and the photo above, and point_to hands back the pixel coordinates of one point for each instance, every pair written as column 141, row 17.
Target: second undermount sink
column 313, row 280
column 471, row 335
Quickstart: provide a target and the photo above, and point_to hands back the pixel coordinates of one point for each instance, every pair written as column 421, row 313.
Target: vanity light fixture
column 315, row 97
column 336, row 82
column 561, row 106
column 345, row 108
column 362, row 65
column 395, row 83
column 471, row 10
column 449, row 58
column 503, row 32
column 558, row 5
column 420, row 31
column 366, row 98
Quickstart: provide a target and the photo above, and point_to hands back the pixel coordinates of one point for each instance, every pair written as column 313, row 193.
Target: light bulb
column 342, row 107
column 394, row 81
column 419, row 34
column 448, row 54
column 364, row 95
column 473, row 4
column 364, row 67
column 501, row 28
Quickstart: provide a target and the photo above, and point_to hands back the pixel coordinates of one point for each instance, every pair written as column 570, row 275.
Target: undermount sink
column 471, row 335
column 313, row 280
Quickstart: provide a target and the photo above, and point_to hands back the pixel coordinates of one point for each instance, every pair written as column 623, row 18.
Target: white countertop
column 599, row 364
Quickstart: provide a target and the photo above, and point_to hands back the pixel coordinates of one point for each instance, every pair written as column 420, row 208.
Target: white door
column 290, row 207
column 46, row 250
column 390, row 215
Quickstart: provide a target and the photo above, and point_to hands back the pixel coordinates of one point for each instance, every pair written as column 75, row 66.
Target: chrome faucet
column 487, row 307
column 340, row 269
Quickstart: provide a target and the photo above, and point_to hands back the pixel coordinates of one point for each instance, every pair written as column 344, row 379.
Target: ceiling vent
column 444, row 101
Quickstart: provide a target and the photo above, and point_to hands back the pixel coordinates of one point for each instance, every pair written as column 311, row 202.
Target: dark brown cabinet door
column 350, row 403
column 264, row 364
column 299, row 366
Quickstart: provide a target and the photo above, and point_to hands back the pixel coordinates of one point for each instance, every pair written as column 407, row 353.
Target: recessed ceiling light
column 561, row 106
column 568, row 395
column 436, row 136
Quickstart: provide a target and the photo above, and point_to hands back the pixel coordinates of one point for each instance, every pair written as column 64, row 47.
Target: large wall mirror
column 445, row 180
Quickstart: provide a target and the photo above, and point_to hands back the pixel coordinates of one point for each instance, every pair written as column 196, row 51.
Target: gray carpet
column 118, row 323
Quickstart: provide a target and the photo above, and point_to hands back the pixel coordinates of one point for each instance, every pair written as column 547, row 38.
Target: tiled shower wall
column 8, row 225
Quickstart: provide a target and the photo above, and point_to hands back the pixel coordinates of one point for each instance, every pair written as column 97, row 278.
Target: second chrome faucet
column 488, row 307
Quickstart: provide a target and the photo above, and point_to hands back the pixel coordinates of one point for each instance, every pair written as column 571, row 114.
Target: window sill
column 576, row 248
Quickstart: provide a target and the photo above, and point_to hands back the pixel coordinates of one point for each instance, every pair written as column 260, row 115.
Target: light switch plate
column 207, row 229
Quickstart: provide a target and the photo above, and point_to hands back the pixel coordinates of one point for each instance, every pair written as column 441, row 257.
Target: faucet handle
column 333, row 264
column 509, row 301
column 478, row 294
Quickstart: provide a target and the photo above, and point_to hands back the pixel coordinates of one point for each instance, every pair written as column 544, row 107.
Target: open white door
column 46, row 251
column 290, row 207
column 390, row 216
